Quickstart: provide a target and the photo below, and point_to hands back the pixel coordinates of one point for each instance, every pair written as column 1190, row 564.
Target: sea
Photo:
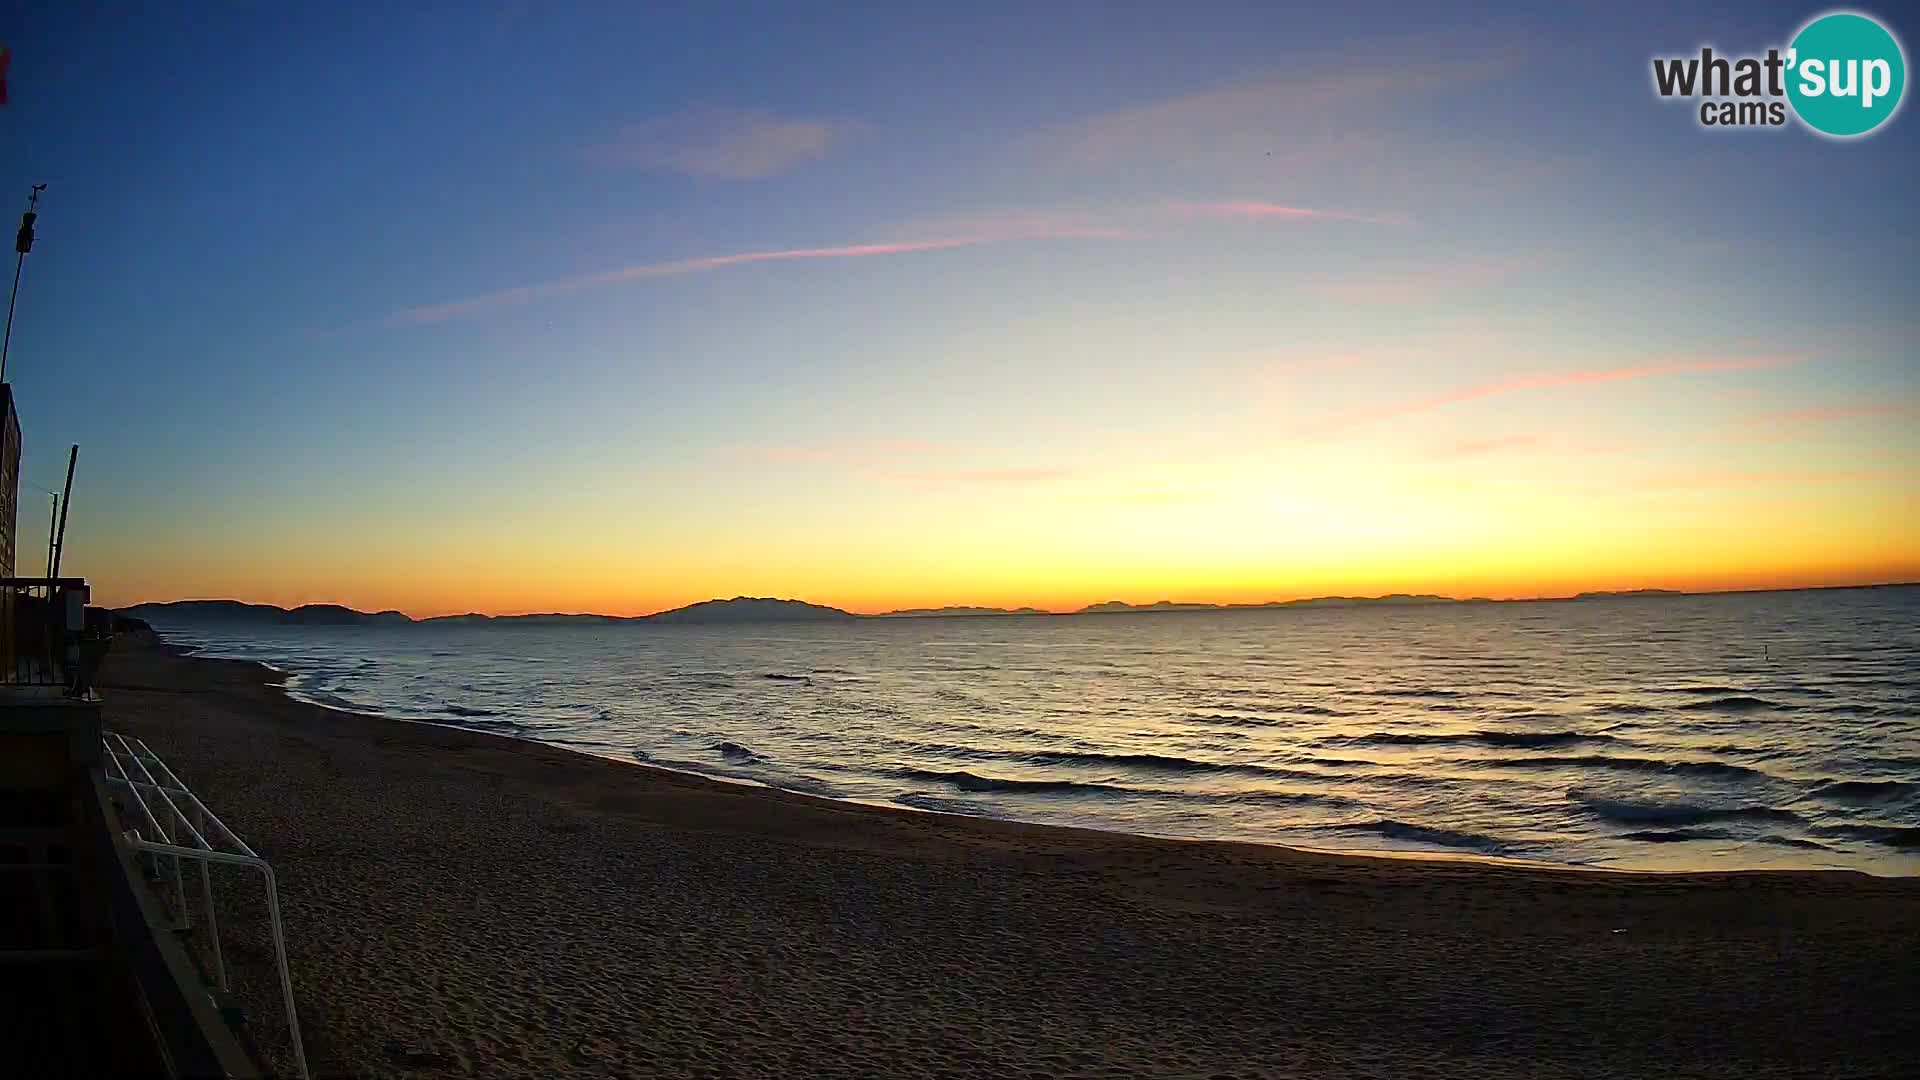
column 1719, row 732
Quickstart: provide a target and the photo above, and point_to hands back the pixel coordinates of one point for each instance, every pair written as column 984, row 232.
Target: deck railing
column 172, row 825
column 44, row 637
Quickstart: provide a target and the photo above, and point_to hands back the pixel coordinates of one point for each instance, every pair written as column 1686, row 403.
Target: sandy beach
column 465, row 904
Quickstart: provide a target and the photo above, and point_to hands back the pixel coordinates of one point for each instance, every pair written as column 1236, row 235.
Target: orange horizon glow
column 1505, row 518
column 1787, row 579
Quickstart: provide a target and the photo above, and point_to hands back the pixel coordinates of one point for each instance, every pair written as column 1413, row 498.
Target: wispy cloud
column 1423, row 284
column 1024, row 223
column 1279, row 376
column 1694, row 479
column 943, row 479
column 1776, row 421
column 723, row 144
column 676, row 268
column 1128, row 221
column 1557, row 380
column 933, row 234
column 1466, row 448
column 852, row 452
column 1812, row 421
column 1284, row 112
column 1254, row 210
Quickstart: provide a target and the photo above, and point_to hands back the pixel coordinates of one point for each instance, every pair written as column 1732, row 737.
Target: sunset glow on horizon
column 1117, row 309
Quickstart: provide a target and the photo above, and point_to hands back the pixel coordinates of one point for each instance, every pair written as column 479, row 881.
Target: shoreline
column 478, row 904
column 283, row 679
column 277, row 678
column 1468, row 857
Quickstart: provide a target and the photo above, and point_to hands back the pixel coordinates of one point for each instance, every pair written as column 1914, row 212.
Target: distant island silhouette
column 751, row 609
column 1113, row 606
column 934, row 612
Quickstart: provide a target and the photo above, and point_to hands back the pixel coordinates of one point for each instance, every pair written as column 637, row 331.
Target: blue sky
column 419, row 308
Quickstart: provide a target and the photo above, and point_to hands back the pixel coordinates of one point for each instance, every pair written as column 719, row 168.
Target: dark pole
column 66, row 500
column 53, row 522
column 23, row 243
column 7, row 344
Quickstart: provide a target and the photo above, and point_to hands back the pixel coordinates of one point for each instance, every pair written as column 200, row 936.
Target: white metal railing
column 183, row 828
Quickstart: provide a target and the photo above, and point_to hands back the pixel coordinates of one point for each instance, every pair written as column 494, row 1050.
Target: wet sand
column 466, row 904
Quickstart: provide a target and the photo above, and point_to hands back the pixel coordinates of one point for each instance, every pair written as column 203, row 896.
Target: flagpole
column 23, row 243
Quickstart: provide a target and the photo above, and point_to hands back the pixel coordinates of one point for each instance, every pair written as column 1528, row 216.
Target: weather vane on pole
column 22, row 243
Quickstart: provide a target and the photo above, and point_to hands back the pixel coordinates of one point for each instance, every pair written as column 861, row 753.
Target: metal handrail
column 190, row 841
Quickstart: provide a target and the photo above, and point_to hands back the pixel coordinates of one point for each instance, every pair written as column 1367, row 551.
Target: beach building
column 103, row 970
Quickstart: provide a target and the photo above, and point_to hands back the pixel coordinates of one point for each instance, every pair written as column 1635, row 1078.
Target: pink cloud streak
column 1525, row 383
column 1417, row 286
column 1688, row 479
column 1057, row 223
column 1248, row 209
column 722, row 144
column 1784, row 425
column 1284, row 110
column 848, row 451
column 1826, row 414
column 972, row 230
column 523, row 294
column 940, row 479
column 1461, row 448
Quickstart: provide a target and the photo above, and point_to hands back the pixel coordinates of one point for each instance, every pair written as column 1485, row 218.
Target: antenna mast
column 22, row 243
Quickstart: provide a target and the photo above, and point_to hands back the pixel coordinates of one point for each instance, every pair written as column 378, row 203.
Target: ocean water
column 1722, row 732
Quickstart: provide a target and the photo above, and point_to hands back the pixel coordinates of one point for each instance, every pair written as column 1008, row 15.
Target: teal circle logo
column 1845, row 74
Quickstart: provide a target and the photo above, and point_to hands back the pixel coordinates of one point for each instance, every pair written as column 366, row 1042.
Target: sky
column 523, row 307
